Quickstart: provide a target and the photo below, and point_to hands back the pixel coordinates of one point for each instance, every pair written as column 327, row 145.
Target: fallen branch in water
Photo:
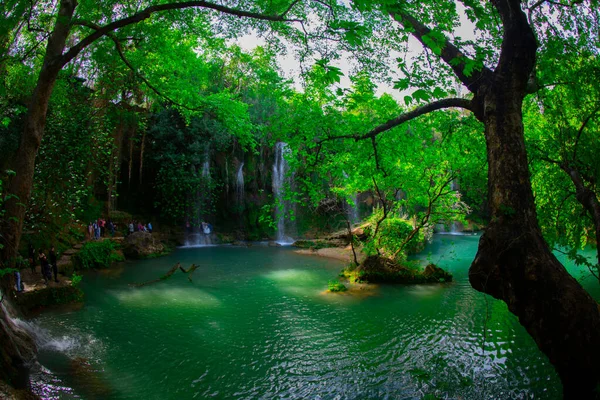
column 162, row 278
column 189, row 271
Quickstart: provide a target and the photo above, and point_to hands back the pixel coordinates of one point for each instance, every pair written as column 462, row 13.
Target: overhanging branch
column 149, row 11
column 449, row 53
column 417, row 112
column 402, row 118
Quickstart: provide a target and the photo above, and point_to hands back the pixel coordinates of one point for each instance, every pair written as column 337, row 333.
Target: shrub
column 392, row 233
column 76, row 279
column 99, row 254
column 337, row 287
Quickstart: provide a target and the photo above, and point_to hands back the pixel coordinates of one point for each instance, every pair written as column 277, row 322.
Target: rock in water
column 141, row 245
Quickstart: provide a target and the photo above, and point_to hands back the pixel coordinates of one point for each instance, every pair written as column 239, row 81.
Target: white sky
column 291, row 68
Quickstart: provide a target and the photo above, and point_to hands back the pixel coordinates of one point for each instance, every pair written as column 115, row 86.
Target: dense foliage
column 149, row 100
column 97, row 254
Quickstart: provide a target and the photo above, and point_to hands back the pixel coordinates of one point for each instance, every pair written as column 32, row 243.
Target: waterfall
column 197, row 238
column 352, row 209
column 194, row 235
column 239, row 186
column 280, row 179
column 206, row 163
column 353, row 213
column 455, row 227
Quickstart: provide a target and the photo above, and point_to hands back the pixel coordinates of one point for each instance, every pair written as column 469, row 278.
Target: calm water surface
column 256, row 323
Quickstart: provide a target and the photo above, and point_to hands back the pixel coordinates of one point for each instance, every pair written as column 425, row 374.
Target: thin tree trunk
column 130, row 162
column 588, row 200
column 142, row 155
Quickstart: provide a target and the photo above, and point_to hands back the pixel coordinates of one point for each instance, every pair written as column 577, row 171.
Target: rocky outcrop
column 32, row 301
column 377, row 269
column 142, row 245
column 436, row 274
column 17, row 352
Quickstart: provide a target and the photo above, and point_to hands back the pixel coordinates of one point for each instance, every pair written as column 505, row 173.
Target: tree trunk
column 15, row 345
column 20, row 186
column 513, row 262
column 142, row 156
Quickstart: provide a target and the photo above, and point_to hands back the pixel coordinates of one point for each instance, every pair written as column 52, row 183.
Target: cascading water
column 280, row 179
column 239, row 186
column 455, row 227
column 352, row 209
column 197, row 235
column 206, row 164
column 353, row 214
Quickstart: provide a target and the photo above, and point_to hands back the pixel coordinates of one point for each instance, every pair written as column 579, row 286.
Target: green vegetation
column 150, row 107
column 76, row 279
column 334, row 286
column 97, row 254
column 377, row 269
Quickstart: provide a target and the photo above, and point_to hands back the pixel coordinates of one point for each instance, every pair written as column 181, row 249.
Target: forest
column 372, row 129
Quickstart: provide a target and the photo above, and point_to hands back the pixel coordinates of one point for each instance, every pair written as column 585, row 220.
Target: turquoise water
column 256, row 323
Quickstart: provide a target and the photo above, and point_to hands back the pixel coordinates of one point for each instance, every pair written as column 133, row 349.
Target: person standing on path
column 45, row 267
column 19, row 282
column 53, row 264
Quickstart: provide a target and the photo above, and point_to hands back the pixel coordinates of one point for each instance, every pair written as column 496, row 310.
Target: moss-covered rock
column 142, row 245
column 34, row 300
column 377, row 269
column 435, row 273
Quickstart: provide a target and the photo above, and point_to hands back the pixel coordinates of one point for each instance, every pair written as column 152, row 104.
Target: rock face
column 142, row 245
column 17, row 351
column 36, row 300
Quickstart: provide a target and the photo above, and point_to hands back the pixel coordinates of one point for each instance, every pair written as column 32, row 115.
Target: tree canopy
column 501, row 124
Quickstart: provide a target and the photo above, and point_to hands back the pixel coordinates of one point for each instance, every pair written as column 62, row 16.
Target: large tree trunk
column 15, row 346
column 20, row 186
column 513, row 262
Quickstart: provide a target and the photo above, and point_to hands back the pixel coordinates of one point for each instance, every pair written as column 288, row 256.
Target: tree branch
column 417, row 112
column 135, row 71
column 149, row 11
column 589, row 117
column 449, row 53
column 402, row 118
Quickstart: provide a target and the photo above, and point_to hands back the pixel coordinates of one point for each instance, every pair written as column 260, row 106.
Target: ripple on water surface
column 255, row 324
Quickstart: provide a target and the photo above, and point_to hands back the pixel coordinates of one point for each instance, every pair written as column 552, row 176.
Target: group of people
column 136, row 226
column 206, row 227
column 98, row 228
column 48, row 265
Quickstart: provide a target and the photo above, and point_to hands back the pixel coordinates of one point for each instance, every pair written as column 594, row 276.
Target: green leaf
column 421, row 94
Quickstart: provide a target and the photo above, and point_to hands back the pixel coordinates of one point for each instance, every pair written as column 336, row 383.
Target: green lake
column 256, row 323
